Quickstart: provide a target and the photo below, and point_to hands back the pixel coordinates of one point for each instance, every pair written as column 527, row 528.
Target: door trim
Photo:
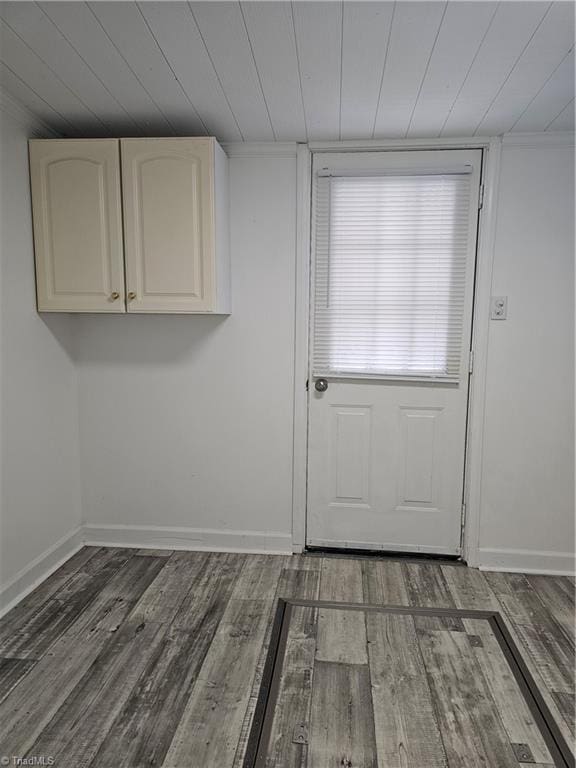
column 480, row 324
column 301, row 339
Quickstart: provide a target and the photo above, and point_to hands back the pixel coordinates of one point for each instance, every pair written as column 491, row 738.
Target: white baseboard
column 257, row 542
column 526, row 561
column 39, row 569
column 138, row 537
column 194, row 539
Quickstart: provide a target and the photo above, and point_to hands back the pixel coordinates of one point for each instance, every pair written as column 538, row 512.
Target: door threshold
column 382, row 554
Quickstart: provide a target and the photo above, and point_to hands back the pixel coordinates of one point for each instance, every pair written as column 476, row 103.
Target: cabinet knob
column 115, row 295
column 131, row 295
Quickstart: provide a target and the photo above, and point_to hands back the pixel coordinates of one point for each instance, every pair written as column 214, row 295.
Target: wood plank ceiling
column 264, row 71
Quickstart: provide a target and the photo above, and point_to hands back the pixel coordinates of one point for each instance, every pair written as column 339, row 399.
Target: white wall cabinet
column 77, row 225
column 170, row 195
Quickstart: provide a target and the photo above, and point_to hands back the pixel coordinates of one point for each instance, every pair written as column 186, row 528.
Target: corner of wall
column 40, row 513
column 27, row 120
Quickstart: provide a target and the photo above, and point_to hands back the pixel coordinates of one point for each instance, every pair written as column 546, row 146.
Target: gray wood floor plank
column 302, row 585
column 39, row 695
column 61, row 610
column 154, row 552
column 207, row 599
column 557, row 594
column 565, row 703
column 295, row 584
column 21, row 613
column 383, row 583
column 512, row 708
column 295, row 694
column 223, row 686
column 303, row 562
column 518, row 618
column 437, row 623
column 341, row 580
column 472, row 733
column 143, row 729
column 539, row 633
column 305, row 583
column 258, row 579
column 164, row 597
column 200, row 585
column 292, row 584
column 407, row 733
column 341, row 722
column 428, row 588
column 48, row 684
column 469, row 589
column 11, row 672
column 341, row 634
column 79, row 727
column 119, row 595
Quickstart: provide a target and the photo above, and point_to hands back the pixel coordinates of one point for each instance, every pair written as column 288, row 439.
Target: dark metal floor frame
column 264, row 713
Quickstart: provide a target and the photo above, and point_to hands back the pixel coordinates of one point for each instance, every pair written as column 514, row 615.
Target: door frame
column 492, row 148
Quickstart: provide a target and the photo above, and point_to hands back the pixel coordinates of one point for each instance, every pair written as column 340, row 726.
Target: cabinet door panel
column 77, row 225
column 168, row 216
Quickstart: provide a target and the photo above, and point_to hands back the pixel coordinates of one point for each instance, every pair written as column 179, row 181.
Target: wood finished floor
column 401, row 690
column 151, row 658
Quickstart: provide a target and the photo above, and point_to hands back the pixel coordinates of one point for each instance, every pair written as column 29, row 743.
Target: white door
column 77, row 225
column 168, row 195
column 393, row 259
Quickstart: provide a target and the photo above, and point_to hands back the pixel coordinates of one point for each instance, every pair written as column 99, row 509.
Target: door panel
column 419, row 459
column 394, row 461
column 386, row 453
column 168, row 213
column 77, row 225
column 350, row 457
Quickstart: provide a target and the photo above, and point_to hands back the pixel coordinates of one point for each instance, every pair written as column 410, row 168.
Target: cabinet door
column 77, row 225
column 169, row 224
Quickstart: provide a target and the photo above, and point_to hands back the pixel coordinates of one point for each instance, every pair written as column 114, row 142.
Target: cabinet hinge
column 471, row 362
column 481, row 197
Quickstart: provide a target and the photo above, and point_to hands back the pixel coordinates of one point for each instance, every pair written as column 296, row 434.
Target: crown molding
column 261, row 149
column 548, row 139
column 20, row 114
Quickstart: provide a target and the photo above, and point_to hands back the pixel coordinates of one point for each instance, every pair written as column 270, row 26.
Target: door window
column 390, row 274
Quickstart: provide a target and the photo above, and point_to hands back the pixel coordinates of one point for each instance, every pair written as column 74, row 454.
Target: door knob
column 114, row 295
column 321, row 385
column 131, row 295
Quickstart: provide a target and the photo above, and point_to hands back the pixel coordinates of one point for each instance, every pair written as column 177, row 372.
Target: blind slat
column 390, row 274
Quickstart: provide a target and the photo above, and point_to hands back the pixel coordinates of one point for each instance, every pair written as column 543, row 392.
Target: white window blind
column 390, row 274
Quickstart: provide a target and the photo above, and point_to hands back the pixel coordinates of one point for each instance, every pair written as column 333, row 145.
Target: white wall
column 186, row 421
column 527, row 497
column 40, row 484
